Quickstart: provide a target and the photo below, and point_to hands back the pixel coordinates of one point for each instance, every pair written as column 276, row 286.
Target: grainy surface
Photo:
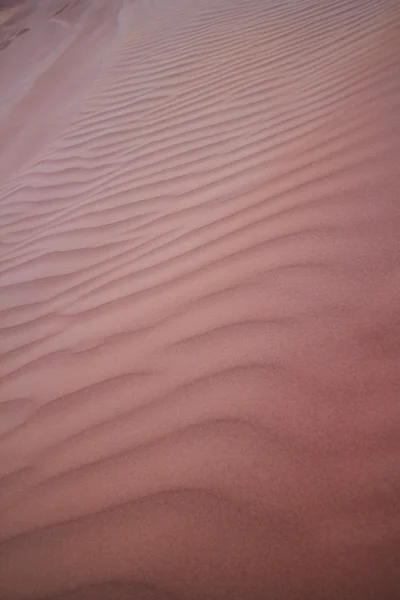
column 200, row 286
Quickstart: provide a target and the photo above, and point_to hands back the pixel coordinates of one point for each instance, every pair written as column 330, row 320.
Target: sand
column 199, row 306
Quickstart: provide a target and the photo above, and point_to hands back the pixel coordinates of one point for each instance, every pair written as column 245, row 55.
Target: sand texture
column 200, row 300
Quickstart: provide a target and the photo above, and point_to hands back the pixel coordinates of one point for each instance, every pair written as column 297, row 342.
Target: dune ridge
column 199, row 218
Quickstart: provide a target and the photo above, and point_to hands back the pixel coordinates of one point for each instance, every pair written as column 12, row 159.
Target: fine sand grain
column 199, row 305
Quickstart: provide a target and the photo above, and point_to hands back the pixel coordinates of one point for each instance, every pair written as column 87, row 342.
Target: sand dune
column 199, row 307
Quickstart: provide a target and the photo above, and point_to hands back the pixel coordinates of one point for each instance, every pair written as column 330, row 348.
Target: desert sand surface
column 199, row 300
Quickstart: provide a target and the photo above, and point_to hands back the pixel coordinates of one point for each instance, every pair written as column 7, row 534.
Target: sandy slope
column 199, row 270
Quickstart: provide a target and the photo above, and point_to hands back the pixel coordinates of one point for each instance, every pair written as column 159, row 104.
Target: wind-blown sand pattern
column 200, row 277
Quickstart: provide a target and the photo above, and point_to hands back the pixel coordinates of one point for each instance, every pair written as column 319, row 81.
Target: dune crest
column 49, row 56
